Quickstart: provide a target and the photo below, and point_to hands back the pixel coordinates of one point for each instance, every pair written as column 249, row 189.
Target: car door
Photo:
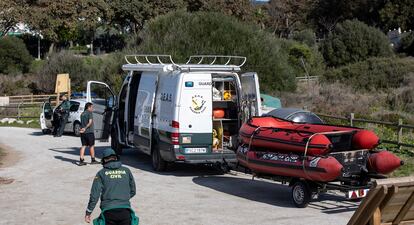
column 250, row 104
column 144, row 109
column 46, row 116
column 103, row 99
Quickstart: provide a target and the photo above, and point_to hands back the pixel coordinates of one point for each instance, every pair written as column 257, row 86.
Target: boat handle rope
column 251, row 139
column 307, row 146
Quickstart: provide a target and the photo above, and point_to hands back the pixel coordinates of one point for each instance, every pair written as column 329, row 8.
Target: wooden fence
column 30, row 99
column 399, row 126
column 17, row 111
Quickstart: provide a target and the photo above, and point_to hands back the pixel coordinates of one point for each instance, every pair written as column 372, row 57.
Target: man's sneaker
column 94, row 161
column 82, row 162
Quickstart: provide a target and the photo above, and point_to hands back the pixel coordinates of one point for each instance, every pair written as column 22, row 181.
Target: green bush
column 306, row 60
column 36, row 66
column 373, row 74
column 306, row 36
column 14, row 57
column 407, row 44
column 81, row 69
column 354, row 41
column 182, row 34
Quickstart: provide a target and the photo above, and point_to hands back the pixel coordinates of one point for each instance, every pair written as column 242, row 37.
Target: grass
column 34, row 124
column 407, row 169
column 387, row 133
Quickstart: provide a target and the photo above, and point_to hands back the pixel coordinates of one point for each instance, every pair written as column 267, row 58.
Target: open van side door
column 103, row 100
column 250, row 104
column 144, row 109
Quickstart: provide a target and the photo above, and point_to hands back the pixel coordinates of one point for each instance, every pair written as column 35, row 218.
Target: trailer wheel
column 301, row 194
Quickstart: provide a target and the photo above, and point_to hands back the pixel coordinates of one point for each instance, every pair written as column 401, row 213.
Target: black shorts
column 88, row 139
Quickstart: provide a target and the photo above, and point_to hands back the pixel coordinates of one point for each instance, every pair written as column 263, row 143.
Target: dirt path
column 8, row 156
column 48, row 188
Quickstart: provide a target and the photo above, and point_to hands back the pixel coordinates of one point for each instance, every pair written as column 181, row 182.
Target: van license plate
column 195, row 150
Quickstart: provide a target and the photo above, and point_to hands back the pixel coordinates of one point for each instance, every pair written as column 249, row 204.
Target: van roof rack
column 151, row 62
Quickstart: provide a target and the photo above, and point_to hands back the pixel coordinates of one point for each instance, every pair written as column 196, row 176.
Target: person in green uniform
column 63, row 115
column 114, row 184
column 87, row 134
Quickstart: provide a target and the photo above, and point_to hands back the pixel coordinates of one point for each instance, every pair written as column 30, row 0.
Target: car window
column 305, row 117
column 74, row 106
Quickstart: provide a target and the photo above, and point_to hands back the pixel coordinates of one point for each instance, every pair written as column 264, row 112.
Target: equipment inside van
column 187, row 112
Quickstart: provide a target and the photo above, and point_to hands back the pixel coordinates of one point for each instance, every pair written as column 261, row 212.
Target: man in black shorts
column 87, row 134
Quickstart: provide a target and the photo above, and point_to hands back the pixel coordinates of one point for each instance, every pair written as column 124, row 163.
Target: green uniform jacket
column 114, row 184
column 65, row 105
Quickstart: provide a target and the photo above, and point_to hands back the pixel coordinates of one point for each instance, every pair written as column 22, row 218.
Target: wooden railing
column 30, row 99
column 399, row 126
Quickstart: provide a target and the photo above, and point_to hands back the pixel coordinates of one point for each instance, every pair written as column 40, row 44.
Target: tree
column 398, row 14
column 182, row 34
column 327, row 13
column 14, row 57
column 11, row 13
column 129, row 15
column 59, row 20
column 354, row 41
column 285, row 16
column 241, row 9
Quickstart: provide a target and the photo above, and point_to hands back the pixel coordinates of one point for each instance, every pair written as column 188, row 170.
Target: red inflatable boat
column 313, row 139
column 383, row 162
column 323, row 169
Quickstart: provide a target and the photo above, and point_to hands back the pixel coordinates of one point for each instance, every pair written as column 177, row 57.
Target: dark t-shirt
column 85, row 120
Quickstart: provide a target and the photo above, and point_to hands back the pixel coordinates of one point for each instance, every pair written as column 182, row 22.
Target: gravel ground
column 49, row 188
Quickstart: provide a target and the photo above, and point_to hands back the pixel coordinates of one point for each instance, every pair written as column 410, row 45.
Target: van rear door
column 195, row 112
column 250, row 96
column 103, row 99
column 144, row 109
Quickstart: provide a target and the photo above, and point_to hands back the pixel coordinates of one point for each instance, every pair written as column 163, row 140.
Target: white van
column 184, row 112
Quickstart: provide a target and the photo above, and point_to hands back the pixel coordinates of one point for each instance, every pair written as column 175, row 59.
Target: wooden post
column 400, row 129
column 351, row 119
column 18, row 111
column 376, row 218
column 57, row 98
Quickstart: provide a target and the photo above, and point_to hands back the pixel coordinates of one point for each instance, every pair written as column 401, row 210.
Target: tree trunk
column 51, row 48
column 91, row 47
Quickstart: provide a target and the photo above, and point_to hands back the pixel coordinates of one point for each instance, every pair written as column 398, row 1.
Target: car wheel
column 158, row 163
column 76, row 129
column 301, row 194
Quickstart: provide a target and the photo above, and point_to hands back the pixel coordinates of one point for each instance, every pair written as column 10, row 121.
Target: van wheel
column 158, row 163
column 76, row 129
column 115, row 145
column 301, row 194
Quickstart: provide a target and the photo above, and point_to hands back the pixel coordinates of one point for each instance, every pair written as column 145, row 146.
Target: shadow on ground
column 136, row 159
column 259, row 191
column 272, row 193
column 255, row 190
column 37, row 133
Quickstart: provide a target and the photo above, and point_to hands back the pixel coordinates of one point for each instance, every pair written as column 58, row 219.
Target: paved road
column 49, row 188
